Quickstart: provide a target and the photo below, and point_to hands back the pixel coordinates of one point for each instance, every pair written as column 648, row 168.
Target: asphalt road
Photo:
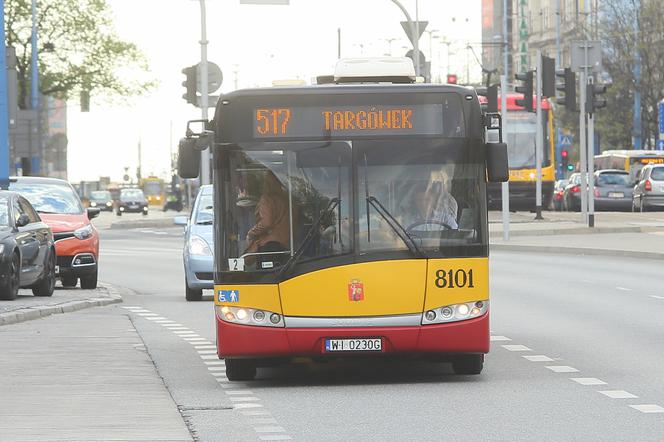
column 576, row 355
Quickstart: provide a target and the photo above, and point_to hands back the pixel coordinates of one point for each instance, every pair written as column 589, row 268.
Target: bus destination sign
column 348, row 121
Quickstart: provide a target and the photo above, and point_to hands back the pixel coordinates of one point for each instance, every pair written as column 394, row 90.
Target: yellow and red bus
column 631, row 161
column 371, row 202
column 520, row 136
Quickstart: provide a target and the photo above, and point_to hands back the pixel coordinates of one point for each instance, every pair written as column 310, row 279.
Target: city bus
column 521, row 130
column 350, row 219
column 154, row 190
column 631, row 161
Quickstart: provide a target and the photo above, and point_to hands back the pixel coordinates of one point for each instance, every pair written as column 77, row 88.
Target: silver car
column 649, row 189
column 198, row 251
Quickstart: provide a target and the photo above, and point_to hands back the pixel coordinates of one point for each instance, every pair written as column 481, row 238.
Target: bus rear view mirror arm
column 496, row 162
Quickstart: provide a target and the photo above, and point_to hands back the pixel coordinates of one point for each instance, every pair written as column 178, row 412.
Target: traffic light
column 526, row 90
column 568, row 87
column 593, row 102
column 564, row 154
column 451, row 79
column 491, row 94
column 548, row 76
column 190, row 84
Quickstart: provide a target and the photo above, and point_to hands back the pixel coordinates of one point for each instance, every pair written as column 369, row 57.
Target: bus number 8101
column 454, row 279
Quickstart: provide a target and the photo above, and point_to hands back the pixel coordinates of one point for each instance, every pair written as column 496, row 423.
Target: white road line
column 248, row 405
column 175, row 324
column 516, row 348
column 625, row 289
column 240, row 392
column 164, row 321
column 221, row 374
column 217, row 368
column 205, row 347
column 275, row 437
column 192, row 339
column 255, row 413
column 648, row 408
column 562, row 369
column 657, row 297
column 618, row 394
column 214, row 362
column 196, row 341
column 189, row 335
column 207, row 352
column 588, row 381
column 244, row 399
column 270, row 429
column 156, row 318
column 263, row 420
column 179, row 329
column 209, row 357
column 132, row 307
column 538, row 358
column 499, row 338
column 146, row 314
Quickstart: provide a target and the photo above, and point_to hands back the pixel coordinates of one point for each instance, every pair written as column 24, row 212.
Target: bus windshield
column 521, row 130
column 350, row 201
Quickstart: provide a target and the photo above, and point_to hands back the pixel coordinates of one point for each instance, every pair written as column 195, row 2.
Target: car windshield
column 49, row 197
column 152, row 187
column 132, row 195
column 657, row 173
column 607, row 179
column 100, row 195
column 205, row 210
column 4, row 211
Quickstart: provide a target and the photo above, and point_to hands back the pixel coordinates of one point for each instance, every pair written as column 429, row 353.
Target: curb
column 137, row 224
column 30, row 313
column 577, row 231
column 576, row 251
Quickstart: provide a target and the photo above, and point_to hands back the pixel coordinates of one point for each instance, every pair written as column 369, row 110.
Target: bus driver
column 431, row 208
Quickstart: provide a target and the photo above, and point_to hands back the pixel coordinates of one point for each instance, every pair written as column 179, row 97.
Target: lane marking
column 648, row 408
column 147, row 314
column 248, row 405
column 205, row 347
column 270, row 429
column 538, row 358
column 275, row 437
column 209, row 357
column 618, row 394
column 218, row 374
column 562, row 369
column 185, row 331
column 156, row 318
column 197, row 341
column 175, row 324
column 239, row 392
column 516, row 348
column 217, row 368
column 625, row 289
column 657, row 297
column 206, row 352
column 255, row 413
column 263, row 420
column 499, row 338
column 244, row 399
column 132, row 307
column 164, row 321
column 588, row 381
column 214, row 362
column 188, row 335
column 180, row 328
column 194, row 339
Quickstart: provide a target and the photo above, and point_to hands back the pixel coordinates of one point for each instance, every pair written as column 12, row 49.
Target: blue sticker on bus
column 229, row 296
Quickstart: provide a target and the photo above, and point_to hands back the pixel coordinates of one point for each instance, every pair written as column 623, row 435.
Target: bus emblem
column 356, row 290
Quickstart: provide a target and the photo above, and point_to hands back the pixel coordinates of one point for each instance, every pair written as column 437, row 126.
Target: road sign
column 566, row 140
column 406, row 27
column 594, row 61
column 660, row 107
column 215, row 77
column 660, row 145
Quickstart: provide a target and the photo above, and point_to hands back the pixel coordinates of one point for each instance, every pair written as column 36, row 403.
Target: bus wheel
column 467, row 364
column 240, row 370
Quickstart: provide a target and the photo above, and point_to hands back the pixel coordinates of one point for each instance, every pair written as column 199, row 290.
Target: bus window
column 521, row 130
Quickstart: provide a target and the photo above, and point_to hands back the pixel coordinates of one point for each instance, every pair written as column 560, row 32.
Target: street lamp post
column 414, row 31
column 4, row 113
column 203, row 78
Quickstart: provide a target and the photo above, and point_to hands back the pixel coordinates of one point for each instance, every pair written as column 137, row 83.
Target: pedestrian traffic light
column 564, row 154
column 190, row 84
column 568, row 87
column 548, row 76
column 570, row 167
column 526, row 89
column 452, row 79
column 593, row 102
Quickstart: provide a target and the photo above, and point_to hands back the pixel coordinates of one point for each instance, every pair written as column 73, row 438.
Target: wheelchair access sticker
column 229, row 296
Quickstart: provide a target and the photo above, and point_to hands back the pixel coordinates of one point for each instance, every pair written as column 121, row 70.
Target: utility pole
column 338, row 44
column 505, row 186
column 35, row 92
column 203, row 78
column 539, row 141
column 414, row 31
column 4, row 113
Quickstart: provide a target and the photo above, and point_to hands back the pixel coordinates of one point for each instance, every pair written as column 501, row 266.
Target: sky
column 253, row 45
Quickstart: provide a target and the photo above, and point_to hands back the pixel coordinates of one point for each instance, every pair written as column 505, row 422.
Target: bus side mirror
column 197, row 130
column 497, row 167
column 189, row 158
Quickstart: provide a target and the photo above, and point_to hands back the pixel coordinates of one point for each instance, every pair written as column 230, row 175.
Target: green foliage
column 78, row 50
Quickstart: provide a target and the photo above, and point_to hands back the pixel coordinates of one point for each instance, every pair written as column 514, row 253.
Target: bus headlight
column 455, row 312
column 249, row 316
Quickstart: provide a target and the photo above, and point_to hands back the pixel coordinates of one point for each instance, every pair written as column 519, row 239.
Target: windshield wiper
column 45, row 211
column 205, row 223
column 396, row 226
column 334, row 202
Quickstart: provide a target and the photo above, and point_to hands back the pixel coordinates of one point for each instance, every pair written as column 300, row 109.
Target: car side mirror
column 93, row 212
column 497, row 166
column 189, row 158
column 23, row 220
column 180, row 220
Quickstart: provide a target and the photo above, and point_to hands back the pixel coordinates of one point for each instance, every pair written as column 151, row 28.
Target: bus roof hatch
column 375, row 70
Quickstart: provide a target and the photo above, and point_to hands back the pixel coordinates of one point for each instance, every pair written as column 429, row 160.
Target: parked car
column 27, row 250
column 613, row 190
column 132, row 200
column 76, row 239
column 101, row 199
column 558, row 193
column 198, row 254
column 649, row 189
column 572, row 193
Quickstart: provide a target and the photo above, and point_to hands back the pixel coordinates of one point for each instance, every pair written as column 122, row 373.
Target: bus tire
column 240, row 370
column 468, row 364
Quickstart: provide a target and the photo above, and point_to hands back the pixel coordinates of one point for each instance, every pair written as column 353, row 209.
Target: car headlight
column 109, row 204
column 249, row 316
column 93, row 204
column 198, row 246
column 455, row 312
column 83, row 232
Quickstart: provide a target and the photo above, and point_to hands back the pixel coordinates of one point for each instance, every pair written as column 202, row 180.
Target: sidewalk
column 637, row 235
column 80, row 377
column 154, row 219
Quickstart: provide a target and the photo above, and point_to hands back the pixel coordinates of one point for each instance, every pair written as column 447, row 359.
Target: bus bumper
column 470, row 336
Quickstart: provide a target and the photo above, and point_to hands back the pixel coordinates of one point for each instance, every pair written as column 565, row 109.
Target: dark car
column 27, row 250
column 132, row 200
column 101, row 199
column 613, row 190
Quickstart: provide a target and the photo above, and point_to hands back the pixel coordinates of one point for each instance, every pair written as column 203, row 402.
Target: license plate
column 354, row 344
column 133, row 206
column 616, row 195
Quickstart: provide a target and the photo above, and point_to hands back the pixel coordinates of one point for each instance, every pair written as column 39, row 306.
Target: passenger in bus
column 430, row 208
column 271, row 232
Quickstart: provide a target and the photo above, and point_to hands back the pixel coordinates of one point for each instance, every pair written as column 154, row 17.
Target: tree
column 632, row 30
column 79, row 52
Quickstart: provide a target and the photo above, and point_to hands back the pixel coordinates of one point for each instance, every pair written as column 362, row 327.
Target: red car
column 76, row 239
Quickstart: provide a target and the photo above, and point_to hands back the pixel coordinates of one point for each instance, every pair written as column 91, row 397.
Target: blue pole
column 35, row 67
column 4, row 112
column 636, row 122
